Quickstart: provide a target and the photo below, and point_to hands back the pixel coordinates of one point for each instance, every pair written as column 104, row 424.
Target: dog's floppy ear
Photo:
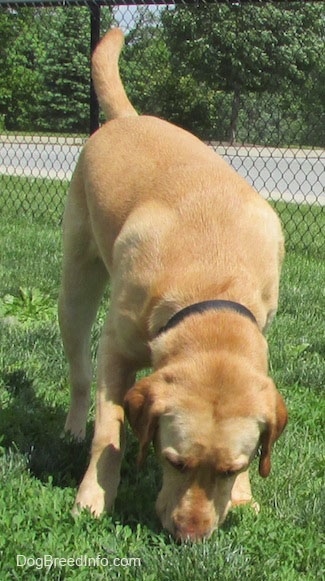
column 143, row 406
column 272, row 432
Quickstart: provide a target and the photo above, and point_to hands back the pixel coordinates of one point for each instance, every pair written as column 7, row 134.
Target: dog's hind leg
column 83, row 282
column 116, row 374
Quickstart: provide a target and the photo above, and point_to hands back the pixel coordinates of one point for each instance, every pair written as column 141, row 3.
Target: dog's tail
column 106, row 77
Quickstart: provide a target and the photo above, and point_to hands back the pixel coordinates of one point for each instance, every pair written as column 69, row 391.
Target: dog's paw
column 255, row 506
column 69, row 437
column 90, row 498
column 248, row 502
column 74, row 430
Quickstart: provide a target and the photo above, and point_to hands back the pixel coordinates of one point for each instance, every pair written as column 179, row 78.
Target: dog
column 194, row 256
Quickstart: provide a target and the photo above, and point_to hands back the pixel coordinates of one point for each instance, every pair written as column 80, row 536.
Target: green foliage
column 19, row 74
column 227, row 71
column 65, row 69
column 243, row 50
column 244, row 47
column 231, row 71
column 44, row 72
column 145, row 69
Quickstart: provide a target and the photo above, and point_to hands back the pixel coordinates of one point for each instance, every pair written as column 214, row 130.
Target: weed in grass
column 28, row 306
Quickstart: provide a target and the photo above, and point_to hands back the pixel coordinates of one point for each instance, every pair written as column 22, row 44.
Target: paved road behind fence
column 293, row 175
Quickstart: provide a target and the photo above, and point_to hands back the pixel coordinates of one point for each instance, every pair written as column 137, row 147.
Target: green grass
column 39, row 471
column 34, row 199
column 304, row 227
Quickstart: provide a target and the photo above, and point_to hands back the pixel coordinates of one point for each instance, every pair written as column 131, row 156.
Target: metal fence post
column 94, row 39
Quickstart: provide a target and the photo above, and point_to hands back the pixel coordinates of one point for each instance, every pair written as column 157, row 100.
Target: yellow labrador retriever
column 194, row 256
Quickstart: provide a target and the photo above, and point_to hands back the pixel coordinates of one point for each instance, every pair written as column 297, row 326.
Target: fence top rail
column 50, row 3
column 45, row 3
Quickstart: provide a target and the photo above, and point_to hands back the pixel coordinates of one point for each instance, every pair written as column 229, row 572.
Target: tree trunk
column 234, row 114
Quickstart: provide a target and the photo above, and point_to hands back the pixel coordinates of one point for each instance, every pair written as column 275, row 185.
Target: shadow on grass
column 34, row 429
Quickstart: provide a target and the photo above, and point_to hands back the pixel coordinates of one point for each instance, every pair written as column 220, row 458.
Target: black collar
column 217, row 305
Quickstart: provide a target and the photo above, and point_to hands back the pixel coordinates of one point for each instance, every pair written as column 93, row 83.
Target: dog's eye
column 228, row 473
column 179, row 465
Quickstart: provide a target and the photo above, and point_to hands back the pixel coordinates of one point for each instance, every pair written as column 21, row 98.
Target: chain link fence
column 246, row 77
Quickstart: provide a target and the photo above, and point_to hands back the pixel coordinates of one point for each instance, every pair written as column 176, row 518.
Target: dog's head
column 208, row 417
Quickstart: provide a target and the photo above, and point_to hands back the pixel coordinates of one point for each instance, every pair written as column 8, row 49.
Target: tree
column 144, row 63
column 241, row 48
column 19, row 75
column 65, row 71
column 6, row 35
column 45, row 68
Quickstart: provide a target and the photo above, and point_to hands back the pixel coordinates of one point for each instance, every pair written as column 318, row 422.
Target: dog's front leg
column 115, row 376
column 242, row 493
